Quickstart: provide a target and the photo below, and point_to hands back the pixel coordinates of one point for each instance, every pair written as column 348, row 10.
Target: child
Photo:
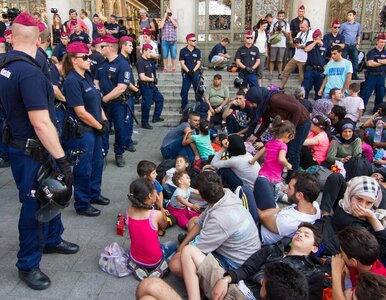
column 182, row 163
column 143, row 221
column 353, row 103
column 360, row 253
column 276, row 151
column 179, row 205
column 367, row 150
column 202, row 141
column 336, row 115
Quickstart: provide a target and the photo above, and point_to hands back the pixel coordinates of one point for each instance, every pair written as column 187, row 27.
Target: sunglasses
column 249, row 37
column 84, row 57
column 192, row 41
column 336, row 27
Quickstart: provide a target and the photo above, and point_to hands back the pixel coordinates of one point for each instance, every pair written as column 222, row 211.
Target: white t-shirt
column 169, row 176
column 88, row 23
column 352, row 105
column 287, row 222
column 305, row 37
column 261, row 41
column 283, row 41
column 155, row 48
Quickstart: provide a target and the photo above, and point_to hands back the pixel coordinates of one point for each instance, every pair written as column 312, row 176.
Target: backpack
column 163, row 167
column 321, row 174
column 357, row 166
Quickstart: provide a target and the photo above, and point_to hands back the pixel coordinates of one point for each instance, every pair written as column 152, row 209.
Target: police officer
column 79, row 35
column 154, row 53
column 24, row 95
column 375, row 73
column 60, row 49
column 247, row 59
column 126, row 45
column 314, row 67
column 333, row 38
column 112, row 77
column 60, row 101
column 96, row 57
column 190, row 62
column 148, row 87
column 90, row 123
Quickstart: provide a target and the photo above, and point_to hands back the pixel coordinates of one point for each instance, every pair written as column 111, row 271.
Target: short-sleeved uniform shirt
column 337, row 72
column 82, row 37
column 95, row 60
column 81, row 91
column 132, row 80
column 190, row 58
column 144, row 66
column 248, row 56
column 110, row 74
column 110, row 26
column 375, row 54
column 328, row 39
column 316, row 56
column 59, row 51
column 216, row 50
column 23, row 88
column 56, row 78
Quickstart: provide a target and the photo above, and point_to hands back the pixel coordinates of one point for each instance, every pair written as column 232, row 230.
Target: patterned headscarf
column 363, row 186
column 322, row 107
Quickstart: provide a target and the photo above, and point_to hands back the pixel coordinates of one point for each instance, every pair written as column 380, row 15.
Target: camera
column 169, row 14
column 297, row 41
column 278, row 28
column 11, row 13
column 54, row 10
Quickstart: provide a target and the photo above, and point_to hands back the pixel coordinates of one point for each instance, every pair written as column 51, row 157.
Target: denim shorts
column 166, row 47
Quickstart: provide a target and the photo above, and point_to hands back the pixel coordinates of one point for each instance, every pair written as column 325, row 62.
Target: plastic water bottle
column 379, row 154
column 378, row 132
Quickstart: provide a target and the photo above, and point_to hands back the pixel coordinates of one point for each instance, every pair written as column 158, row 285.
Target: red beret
column 147, row 46
column 382, row 36
column 97, row 41
column 248, row 33
column 302, row 7
column 335, row 22
column 100, row 25
column 25, row 19
column 2, row 40
column 126, row 39
column 64, row 34
column 146, row 31
column 41, row 26
column 8, row 32
column 316, row 33
column 190, row 35
column 109, row 39
column 78, row 47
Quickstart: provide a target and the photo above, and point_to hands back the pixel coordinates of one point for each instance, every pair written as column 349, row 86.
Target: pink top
column 367, row 151
column 320, row 151
column 272, row 168
column 145, row 247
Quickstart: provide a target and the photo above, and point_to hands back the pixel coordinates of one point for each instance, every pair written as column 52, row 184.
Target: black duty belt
column 314, row 68
column 376, row 73
column 16, row 143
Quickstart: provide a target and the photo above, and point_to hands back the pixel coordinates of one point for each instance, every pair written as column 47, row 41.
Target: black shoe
column 135, row 142
column 158, row 120
column 35, row 279
column 130, row 148
column 181, row 237
column 355, row 77
column 63, row 248
column 120, row 161
column 4, row 163
column 147, row 126
column 101, row 201
column 89, row 212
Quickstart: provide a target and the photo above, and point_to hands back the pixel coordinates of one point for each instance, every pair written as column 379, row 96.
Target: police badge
column 127, row 75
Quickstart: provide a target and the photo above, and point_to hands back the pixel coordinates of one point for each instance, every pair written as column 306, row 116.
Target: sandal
column 174, row 70
column 160, row 271
column 165, row 70
column 138, row 272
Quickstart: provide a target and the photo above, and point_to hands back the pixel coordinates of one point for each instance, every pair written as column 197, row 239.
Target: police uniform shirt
column 81, row 91
column 144, row 66
column 81, row 37
column 375, row 54
column 59, row 51
column 110, row 74
column 190, row 58
column 56, row 78
column 247, row 56
column 23, row 88
column 43, row 62
column 328, row 39
column 95, row 59
column 132, row 80
column 316, row 57
column 110, row 26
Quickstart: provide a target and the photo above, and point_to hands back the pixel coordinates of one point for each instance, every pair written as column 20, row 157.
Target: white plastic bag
column 113, row 261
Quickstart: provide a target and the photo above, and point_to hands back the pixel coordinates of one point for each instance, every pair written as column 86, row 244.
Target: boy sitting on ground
column 182, row 163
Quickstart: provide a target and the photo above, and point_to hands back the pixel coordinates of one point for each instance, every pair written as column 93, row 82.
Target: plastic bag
column 113, row 261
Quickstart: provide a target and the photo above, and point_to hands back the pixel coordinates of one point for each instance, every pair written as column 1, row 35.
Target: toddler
column 353, row 103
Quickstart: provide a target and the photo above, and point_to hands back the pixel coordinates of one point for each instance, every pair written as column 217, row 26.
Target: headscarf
column 346, row 124
column 361, row 186
column 322, row 107
column 236, row 145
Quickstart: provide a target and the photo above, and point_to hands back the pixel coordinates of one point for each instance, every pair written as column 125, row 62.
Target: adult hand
column 218, row 109
column 191, row 73
column 252, row 138
column 211, row 110
column 289, row 166
column 249, row 70
column 105, row 128
column 65, row 167
column 155, row 80
column 220, row 290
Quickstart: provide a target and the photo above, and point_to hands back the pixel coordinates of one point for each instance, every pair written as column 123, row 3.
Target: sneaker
column 279, row 76
column 130, row 148
column 160, row 271
column 4, row 163
column 120, row 161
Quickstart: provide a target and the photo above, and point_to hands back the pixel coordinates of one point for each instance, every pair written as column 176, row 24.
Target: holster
column 6, row 137
column 35, row 150
column 72, row 128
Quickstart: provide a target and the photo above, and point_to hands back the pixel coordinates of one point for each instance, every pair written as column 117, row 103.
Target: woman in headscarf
column 268, row 104
column 345, row 145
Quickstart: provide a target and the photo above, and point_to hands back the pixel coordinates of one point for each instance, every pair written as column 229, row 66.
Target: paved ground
column 78, row 276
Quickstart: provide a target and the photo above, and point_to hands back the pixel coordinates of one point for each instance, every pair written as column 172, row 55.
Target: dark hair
column 240, row 93
column 183, row 157
column 336, row 48
column 36, row 13
column 226, row 40
column 280, row 12
column 268, row 15
column 217, row 76
column 139, row 191
column 204, row 127
column 355, row 87
column 194, row 114
column 352, row 11
column 280, row 127
column 145, row 167
column 382, row 106
column 284, row 282
column 339, row 111
column 307, row 184
column 359, row 243
column 363, row 135
column 332, row 91
column 210, row 187
column 261, row 22
column 72, row 10
column 120, row 22
column 322, row 122
column 370, row 286
column 67, row 66
column 317, row 235
column 83, row 11
column 177, row 176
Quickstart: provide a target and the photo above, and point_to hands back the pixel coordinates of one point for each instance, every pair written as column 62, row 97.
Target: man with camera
column 298, row 61
column 168, row 28
column 279, row 30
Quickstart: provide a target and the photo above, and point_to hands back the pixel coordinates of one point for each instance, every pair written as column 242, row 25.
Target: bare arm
column 115, row 93
column 267, row 217
column 187, row 139
column 183, row 66
column 320, row 92
column 311, row 141
column 283, row 160
column 86, row 117
column 347, row 82
column 257, row 156
column 145, row 78
column 58, row 94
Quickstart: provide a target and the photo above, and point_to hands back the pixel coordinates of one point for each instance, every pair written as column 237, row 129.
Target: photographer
column 168, row 28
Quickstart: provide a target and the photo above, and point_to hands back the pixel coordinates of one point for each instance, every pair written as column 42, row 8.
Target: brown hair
column 67, row 66
column 177, row 176
column 370, row 286
column 280, row 127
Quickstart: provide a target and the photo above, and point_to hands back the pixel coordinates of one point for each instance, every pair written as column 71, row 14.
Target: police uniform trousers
column 150, row 94
column 115, row 113
column 88, row 168
column 61, row 113
column 312, row 77
column 373, row 82
column 3, row 147
column 129, row 122
column 24, row 170
column 250, row 80
column 187, row 81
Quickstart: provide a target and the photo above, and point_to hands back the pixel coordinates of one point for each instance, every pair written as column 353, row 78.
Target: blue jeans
column 225, row 262
column 24, row 170
column 166, row 48
column 230, row 178
column 149, row 95
column 168, row 249
column 4, row 154
column 115, row 113
column 377, row 83
column 175, row 148
column 187, row 81
column 312, row 78
column 88, row 168
column 295, row 146
column 351, row 52
column 129, row 122
column 264, row 194
column 250, row 80
column 371, row 132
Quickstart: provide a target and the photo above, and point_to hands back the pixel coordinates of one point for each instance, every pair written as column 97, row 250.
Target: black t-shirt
column 295, row 26
column 247, row 56
column 216, row 50
column 3, row 27
column 110, row 26
column 82, row 37
column 144, row 66
column 242, row 115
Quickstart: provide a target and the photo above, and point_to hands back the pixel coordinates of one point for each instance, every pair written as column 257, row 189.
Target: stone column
column 185, row 13
column 315, row 11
